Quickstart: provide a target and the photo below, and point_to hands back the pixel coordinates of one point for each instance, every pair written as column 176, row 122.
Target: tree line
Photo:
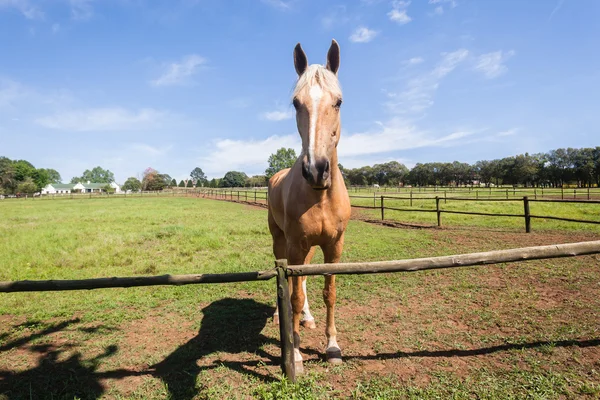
column 579, row 166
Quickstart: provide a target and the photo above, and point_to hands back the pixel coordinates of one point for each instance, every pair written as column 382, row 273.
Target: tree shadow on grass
column 230, row 326
column 54, row 376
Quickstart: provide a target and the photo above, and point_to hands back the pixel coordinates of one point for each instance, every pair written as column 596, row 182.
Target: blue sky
column 131, row 84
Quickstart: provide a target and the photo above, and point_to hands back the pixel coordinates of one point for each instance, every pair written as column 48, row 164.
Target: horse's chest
column 322, row 224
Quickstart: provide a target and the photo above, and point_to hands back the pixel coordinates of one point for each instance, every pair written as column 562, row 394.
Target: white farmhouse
column 66, row 188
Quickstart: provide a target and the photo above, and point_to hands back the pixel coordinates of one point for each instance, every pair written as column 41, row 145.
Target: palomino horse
column 308, row 203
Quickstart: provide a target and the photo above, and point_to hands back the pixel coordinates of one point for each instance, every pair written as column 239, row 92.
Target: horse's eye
column 296, row 103
column 338, row 104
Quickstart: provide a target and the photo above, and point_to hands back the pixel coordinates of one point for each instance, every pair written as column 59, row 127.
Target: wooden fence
column 282, row 271
column 260, row 197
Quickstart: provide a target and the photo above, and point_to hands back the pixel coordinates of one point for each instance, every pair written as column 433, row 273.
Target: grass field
column 529, row 330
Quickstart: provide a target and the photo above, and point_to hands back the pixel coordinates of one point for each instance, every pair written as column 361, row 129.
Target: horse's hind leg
column 308, row 320
column 332, row 254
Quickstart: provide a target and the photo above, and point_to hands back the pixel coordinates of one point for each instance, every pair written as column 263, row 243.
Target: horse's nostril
column 327, row 166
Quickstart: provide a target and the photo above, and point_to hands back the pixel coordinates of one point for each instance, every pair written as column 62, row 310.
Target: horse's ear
column 300, row 60
column 333, row 57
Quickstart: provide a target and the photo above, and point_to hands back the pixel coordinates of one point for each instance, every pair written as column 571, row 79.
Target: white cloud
column 452, row 3
column 24, row 7
column 282, row 5
column 149, row 150
column 178, row 73
column 399, row 16
column 400, row 4
column 555, row 10
column 102, row 119
column 363, row 34
column 277, row 115
column 439, row 9
column 55, row 28
column 414, row 61
column 81, row 10
column 492, row 64
column 509, row 132
column 419, row 92
column 395, row 135
column 247, row 155
column 359, row 148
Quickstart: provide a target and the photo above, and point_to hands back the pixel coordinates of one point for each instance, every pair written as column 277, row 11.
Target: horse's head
column 317, row 99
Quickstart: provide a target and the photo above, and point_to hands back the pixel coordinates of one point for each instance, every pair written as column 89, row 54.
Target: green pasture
column 507, row 331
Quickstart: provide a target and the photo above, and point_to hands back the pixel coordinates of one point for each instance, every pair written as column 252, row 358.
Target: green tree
column 199, row 176
column 190, row 183
column 152, row 180
column 282, row 159
column 53, row 175
column 41, row 178
column 8, row 181
column 173, row 183
column 233, row 179
column 182, row 183
column 214, row 183
column 23, row 170
column 96, row 175
column 133, row 184
column 27, row 186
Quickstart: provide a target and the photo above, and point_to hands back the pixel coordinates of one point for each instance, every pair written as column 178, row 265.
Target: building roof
column 62, row 185
column 84, row 184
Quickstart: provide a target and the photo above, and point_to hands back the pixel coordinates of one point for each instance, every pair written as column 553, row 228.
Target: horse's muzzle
column 317, row 174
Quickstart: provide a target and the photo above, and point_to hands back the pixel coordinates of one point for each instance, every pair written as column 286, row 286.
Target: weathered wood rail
column 282, row 271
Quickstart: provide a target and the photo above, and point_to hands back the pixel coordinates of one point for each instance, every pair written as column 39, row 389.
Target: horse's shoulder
column 278, row 177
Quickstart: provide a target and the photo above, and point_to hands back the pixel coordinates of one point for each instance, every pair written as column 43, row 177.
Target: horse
column 308, row 203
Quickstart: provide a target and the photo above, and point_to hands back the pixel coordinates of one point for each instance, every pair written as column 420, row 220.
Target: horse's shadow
column 230, row 326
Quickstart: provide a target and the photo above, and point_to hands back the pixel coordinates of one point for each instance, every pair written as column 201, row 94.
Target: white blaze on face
column 315, row 94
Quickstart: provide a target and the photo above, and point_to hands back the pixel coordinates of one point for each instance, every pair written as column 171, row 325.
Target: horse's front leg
column 332, row 254
column 296, row 256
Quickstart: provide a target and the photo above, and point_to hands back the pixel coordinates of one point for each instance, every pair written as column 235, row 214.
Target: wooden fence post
column 562, row 193
column 437, row 209
column 535, row 193
column 382, row 215
column 374, row 202
column 527, row 214
column 255, row 196
column 507, row 194
column 286, row 332
column 588, row 192
column 445, row 200
column 411, row 198
column 574, row 193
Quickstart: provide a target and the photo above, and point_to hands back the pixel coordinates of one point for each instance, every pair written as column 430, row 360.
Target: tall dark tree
column 132, row 184
column 199, row 176
column 233, row 179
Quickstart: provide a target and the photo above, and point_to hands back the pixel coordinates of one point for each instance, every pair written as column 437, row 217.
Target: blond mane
column 318, row 75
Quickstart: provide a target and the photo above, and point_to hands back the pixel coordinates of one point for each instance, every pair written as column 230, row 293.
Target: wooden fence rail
column 282, row 271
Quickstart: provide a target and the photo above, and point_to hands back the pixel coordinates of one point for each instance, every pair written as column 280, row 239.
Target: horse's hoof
column 334, row 355
column 308, row 323
column 299, row 367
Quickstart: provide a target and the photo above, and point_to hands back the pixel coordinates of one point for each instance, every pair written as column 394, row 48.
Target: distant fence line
column 260, row 197
column 282, row 271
